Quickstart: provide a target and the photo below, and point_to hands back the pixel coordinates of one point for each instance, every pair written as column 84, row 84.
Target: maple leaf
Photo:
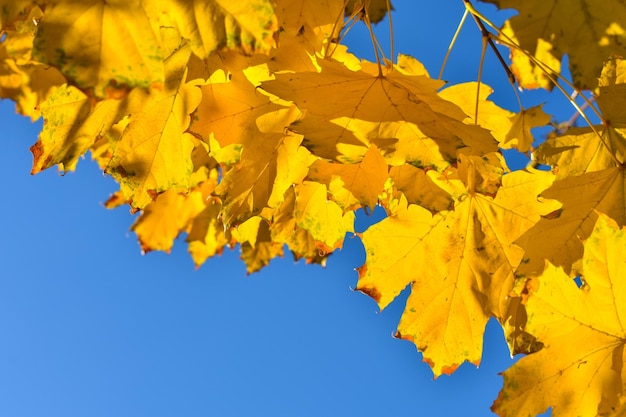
column 257, row 247
column 589, row 149
column 384, row 103
column 85, row 39
column 154, row 152
column 360, row 183
column 471, row 260
column 268, row 166
column 579, row 370
column 164, row 218
column 581, row 196
column 511, row 130
column 247, row 25
column 26, row 82
column 284, row 229
column 72, row 124
column 587, row 31
column 591, row 172
column 419, row 188
column 323, row 219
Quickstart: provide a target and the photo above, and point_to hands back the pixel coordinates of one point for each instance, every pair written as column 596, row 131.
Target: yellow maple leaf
column 589, row 149
column 23, row 80
column 310, row 21
column 257, row 247
column 154, row 151
column 207, row 236
column 269, row 165
column 511, row 130
column 284, row 229
column 100, row 44
column 374, row 106
column 586, row 30
column 471, row 262
column 360, row 183
column 164, row 218
column 604, row 191
column 420, row 189
column 323, row 219
column 579, row 370
column 248, row 26
column 72, row 124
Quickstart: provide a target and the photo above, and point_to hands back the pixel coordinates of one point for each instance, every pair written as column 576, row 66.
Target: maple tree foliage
column 250, row 123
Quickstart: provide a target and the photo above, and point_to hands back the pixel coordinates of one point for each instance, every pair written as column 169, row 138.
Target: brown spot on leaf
column 371, row 291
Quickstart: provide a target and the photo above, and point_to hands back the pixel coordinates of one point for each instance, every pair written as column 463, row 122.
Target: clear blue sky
column 89, row 327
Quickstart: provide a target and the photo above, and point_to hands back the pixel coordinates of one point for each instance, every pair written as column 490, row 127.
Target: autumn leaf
column 360, row 183
column 85, row 40
column 154, row 152
column 374, row 106
column 26, row 82
column 323, row 219
column 419, row 188
column 581, row 197
column 588, row 149
column 586, row 31
column 511, row 130
column 163, row 219
column 247, row 25
column 257, row 182
column 283, row 228
column 589, row 166
column 72, row 124
column 579, row 371
column 257, row 247
column 472, row 262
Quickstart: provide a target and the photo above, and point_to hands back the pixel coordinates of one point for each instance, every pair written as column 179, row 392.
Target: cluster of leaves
column 249, row 123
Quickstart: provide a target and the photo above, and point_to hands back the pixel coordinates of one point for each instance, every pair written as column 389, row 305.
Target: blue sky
column 90, row 327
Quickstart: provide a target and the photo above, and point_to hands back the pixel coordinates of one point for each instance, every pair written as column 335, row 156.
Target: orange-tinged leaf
column 72, row 124
column 153, row 153
column 586, row 30
column 579, row 371
column 162, row 220
column 362, row 182
column 323, row 219
column 100, row 44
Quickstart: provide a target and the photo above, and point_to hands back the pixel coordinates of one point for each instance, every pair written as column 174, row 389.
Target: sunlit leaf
column 579, row 371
